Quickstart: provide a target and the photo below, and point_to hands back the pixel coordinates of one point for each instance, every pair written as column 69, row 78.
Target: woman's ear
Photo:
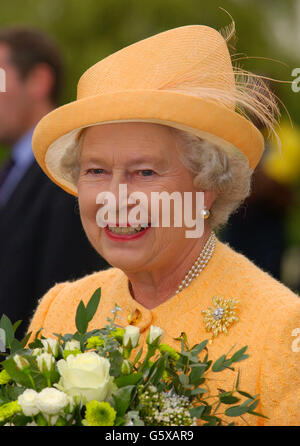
column 209, row 198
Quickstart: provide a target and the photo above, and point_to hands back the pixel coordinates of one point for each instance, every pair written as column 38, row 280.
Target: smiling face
column 143, row 156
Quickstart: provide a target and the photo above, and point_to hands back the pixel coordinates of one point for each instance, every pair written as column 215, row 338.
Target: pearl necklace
column 200, row 263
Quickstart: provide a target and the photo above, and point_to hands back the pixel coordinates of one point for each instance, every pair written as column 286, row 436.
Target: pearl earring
column 205, row 213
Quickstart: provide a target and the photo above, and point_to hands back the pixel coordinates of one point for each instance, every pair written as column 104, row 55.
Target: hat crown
column 184, row 58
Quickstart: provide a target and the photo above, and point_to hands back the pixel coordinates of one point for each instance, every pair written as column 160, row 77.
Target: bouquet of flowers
column 102, row 378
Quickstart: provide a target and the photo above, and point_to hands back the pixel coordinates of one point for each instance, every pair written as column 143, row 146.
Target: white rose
column 86, row 376
column 45, row 361
column 154, row 335
column 51, row 401
column 131, row 336
column 50, row 346
column 27, row 401
column 72, row 345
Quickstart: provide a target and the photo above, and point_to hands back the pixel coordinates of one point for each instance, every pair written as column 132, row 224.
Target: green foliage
column 7, row 326
column 162, row 387
column 122, row 398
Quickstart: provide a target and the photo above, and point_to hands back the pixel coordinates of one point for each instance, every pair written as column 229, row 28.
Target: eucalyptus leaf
column 236, row 411
column 212, row 420
column 197, row 373
column 253, row 406
column 199, row 347
column 184, row 380
column 247, row 395
column 197, row 411
column 218, row 365
column 228, row 399
column 252, row 412
column 198, row 391
column 237, row 380
column 239, row 355
column 207, row 409
column 250, row 400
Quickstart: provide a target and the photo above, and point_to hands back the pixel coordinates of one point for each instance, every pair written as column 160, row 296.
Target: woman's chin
column 124, row 259
column 125, row 263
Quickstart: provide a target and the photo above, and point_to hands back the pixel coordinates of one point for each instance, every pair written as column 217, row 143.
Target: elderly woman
column 165, row 115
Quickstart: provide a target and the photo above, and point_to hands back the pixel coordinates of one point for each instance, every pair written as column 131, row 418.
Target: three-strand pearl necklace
column 200, row 262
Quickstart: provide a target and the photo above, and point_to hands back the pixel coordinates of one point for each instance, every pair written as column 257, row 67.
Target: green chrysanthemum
column 9, row 409
column 118, row 334
column 173, row 354
column 94, row 342
column 74, row 352
column 99, row 414
column 4, row 377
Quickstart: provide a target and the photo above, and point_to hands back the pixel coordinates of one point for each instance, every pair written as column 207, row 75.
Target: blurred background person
column 36, row 250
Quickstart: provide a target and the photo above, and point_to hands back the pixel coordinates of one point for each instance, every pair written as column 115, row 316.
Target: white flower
column 154, row 335
column 51, row 401
column 131, row 336
column 51, row 419
column 37, row 351
column 86, row 376
column 21, row 362
column 27, row 401
column 45, row 362
column 50, row 346
column 72, row 345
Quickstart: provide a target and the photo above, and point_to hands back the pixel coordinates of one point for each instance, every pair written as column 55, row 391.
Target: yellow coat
column 268, row 314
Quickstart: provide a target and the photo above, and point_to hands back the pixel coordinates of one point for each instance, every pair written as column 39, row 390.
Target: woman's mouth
column 126, row 233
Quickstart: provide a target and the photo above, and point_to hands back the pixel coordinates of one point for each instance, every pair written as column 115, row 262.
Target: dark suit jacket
column 42, row 242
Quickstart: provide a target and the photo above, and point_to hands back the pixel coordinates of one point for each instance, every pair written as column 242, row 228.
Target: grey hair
column 214, row 169
column 69, row 164
column 225, row 172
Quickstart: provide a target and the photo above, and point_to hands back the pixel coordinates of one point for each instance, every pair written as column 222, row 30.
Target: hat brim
column 59, row 129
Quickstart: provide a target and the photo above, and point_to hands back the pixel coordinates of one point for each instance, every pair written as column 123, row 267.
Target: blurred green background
column 268, row 32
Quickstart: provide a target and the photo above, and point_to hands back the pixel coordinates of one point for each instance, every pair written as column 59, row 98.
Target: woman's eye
column 95, row 171
column 147, row 172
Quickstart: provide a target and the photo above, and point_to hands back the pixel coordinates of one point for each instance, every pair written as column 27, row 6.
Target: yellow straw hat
column 182, row 77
